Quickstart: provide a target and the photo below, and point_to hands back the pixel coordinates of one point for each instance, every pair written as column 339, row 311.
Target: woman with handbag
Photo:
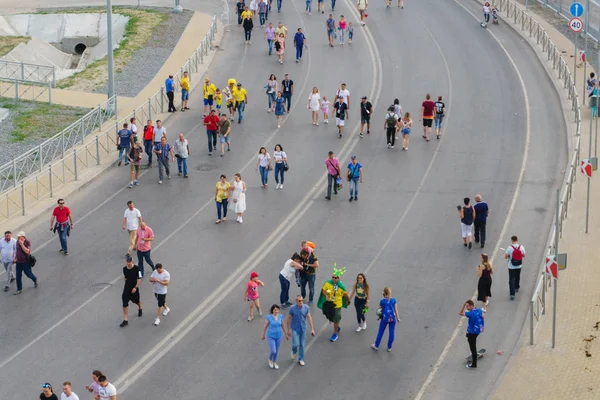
column 280, row 47
column 222, row 198
column 280, row 164
column 238, row 196
column 271, row 87
column 264, row 164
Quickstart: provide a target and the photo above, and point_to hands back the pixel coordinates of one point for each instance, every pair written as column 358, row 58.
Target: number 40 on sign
column 576, row 24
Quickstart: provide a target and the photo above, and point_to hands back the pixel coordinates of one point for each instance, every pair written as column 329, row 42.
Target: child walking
column 350, row 32
column 361, row 301
column 325, row 108
column 389, row 316
column 251, row 295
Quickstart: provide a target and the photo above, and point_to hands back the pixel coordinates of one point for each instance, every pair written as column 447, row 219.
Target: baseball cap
column 21, row 234
column 364, row 97
column 239, row 84
column 353, row 157
column 253, row 275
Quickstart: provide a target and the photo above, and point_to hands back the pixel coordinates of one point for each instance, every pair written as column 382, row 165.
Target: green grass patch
column 7, row 43
column 32, row 121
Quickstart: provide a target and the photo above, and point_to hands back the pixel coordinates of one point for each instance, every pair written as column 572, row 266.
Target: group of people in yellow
column 234, row 95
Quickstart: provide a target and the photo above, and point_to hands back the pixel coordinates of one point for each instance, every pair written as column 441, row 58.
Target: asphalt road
column 403, row 232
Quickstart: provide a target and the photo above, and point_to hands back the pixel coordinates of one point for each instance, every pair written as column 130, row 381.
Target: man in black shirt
column 341, row 112
column 287, row 86
column 366, row 109
column 310, row 262
column 131, row 293
column 481, row 214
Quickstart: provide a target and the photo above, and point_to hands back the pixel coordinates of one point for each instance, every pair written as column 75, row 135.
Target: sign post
column 586, row 169
column 576, row 25
column 556, row 276
column 585, row 46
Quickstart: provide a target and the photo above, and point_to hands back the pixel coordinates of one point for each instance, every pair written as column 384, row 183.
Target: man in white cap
column 8, row 248
column 23, row 261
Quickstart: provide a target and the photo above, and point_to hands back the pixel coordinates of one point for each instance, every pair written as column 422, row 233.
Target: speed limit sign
column 576, row 24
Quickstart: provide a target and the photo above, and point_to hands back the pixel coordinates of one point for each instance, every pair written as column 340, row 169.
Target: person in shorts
column 334, row 291
column 467, row 216
column 366, row 110
column 440, row 113
column 330, row 25
column 160, row 278
column 184, row 83
column 131, row 292
column 427, row 115
column 135, row 159
column 224, row 131
column 341, row 113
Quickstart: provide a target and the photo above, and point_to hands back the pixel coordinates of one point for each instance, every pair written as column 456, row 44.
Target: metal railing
column 28, row 190
column 36, row 159
column 225, row 17
column 511, row 11
column 591, row 15
column 28, row 72
column 20, row 89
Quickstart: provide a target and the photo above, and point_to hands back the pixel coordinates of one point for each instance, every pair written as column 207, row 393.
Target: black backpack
column 32, row 260
column 391, row 121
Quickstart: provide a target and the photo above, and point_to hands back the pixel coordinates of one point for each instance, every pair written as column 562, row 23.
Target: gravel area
column 147, row 61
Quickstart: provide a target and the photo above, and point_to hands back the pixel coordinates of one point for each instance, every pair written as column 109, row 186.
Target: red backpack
column 516, row 257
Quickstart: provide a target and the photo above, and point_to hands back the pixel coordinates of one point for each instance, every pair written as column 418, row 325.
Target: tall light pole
column 177, row 9
column 111, row 83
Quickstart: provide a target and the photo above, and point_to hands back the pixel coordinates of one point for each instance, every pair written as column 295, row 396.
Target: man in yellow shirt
column 184, row 82
column 246, row 13
column 334, row 295
column 209, row 93
column 241, row 100
column 281, row 29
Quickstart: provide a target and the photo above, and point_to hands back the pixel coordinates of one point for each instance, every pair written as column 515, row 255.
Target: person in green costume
column 332, row 299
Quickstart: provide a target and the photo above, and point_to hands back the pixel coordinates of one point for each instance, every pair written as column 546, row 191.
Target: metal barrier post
column 16, row 89
column 531, row 322
column 162, row 99
column 97, row 150
column 14, row 171
column 22, row 71
column 53, row 77
column 149, row 108
column 75, row 163
column 49, row 93
column 23, row 198
column 40, row 157
column 50, row 178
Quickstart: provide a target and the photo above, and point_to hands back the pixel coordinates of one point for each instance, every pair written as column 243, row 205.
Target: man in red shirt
column 149, row 140
column 211, row 121
column 427, row 114
column 61, row 222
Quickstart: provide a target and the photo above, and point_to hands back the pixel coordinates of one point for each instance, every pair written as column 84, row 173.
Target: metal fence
column 538, row 35
column 20, row 89
column 591, row 15
column 225, row 17
column 28, row 189
column 28, row 72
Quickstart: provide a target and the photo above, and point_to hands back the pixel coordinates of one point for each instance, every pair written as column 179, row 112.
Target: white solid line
column 511, row 209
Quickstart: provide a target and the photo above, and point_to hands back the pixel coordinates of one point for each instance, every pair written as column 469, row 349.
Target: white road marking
column 507, row 220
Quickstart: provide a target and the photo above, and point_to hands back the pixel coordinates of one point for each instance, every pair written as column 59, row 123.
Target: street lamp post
column 177, row 9
column 111, row 83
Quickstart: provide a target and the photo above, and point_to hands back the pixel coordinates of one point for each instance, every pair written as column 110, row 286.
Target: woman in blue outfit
column 279, row 108
column 272, row 332
column 389, row 316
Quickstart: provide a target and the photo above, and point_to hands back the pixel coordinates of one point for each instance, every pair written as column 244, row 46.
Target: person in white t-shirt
column 131, row 222
column 160, row 279
column 345, row 93
column 285, row 278
column 67, row 393
column 8, row 248
column 107, row 391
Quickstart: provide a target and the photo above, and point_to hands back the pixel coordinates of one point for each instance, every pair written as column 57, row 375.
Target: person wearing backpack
column 388, row 317
column 474, row 328
column 515, row 253
column 389, row 125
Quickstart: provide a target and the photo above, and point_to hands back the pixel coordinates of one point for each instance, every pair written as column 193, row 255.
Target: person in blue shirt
column 169, row 88
column 481, row 213
column 474, row 328
column 124, row 138
column 389, row 316
column 272, row 332
column 354, row 175
column 164, row 153
column 299, row 42
column 296, row 327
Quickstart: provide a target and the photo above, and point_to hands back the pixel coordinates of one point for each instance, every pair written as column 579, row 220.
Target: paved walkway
column 572, row 369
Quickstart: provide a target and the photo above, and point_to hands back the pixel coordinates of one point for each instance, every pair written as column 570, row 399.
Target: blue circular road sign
column 576, row 9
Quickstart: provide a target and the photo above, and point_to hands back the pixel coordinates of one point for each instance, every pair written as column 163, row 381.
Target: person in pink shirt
column 333, row 172
column 251, row 295
column 143, row 243
column 342, row 25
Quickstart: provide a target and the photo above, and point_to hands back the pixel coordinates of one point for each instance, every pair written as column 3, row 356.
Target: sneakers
column 333, row 337
column 389, row 350
column 160, row 182
column 124, row 323
column 350, row 200
column 364, row 325
column 270, row 364
column 301, row 362
column 6, row 288
column 512, row 296
column 389, row 145
column 130, row 185
column 294, row 355
column 35, row 285
column 275, row 365
column 140, row 312
column 166, row 311
column 359, row 328
column 374, row 347
column 20, row 291
column 277, row 186
column 470, row 366
column 360, row 135
column 310, row 303
column 156, row 321
column 250, row 319
column 260, row 312
column 281, row 187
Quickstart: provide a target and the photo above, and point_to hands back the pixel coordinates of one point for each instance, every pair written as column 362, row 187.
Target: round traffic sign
column 576, row 24
column 576, row 9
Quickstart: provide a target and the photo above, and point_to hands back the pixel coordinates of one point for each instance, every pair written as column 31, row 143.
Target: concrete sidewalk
column 572, row 369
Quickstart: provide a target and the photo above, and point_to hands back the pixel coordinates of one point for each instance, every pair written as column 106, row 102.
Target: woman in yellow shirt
column 222, row 197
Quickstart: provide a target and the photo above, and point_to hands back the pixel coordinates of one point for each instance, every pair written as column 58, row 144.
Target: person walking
column 332, row 299
column 285, row 278
column 170, row 90
column 330, row 26
column 405, row 127
column 124, row 140
column 238, row 196
column 325, row 104
column 288, row 90
column 474, row 328
column 279, row 108
column 143, row 244
column 397, row 108
column 391, row 125
column 272, row 89
column 296, row 328
column 224, row 133
column 248, row 25
column 164, row 153
column 361, row 301
column 333, row 172
column 270, row 38
column 184, row 83
column 94, row 387
column 23, row 262
column 262, row 12
column 149, row 140
column 208, row 90
column 308, row 274
column 427, row 115
column 160, row 278
column 251, row 295
column 135, row 159
column 47, row 392
column 280, row 165
column 320, row 6
column 241, row 101
column 515, row 253
column 342, row 26
column 240, row 6
column 484, row 285
column 131, row 221
column 481, row 213
column 314, row 105
column 182, row 152
column 211, row 122
column 341, row 113
column 159, row 132
column 440, row 113
column 274, row 326
column 222, row 197
column 61, row 221
column 345, row 93
column 132, row 278
column 388, row 317
column 107, row 390
column 67, row 393
column 361, row 6
column 309, row 7
column 300, row 42
column 8, row 248
column 354, row 174
column 366, row 110
column 133, row 127
column 263, row 164
column 280, row 47
column 467, row 214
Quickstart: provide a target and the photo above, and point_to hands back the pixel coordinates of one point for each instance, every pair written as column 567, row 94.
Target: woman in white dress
column 238, row 196
column 314, row 105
